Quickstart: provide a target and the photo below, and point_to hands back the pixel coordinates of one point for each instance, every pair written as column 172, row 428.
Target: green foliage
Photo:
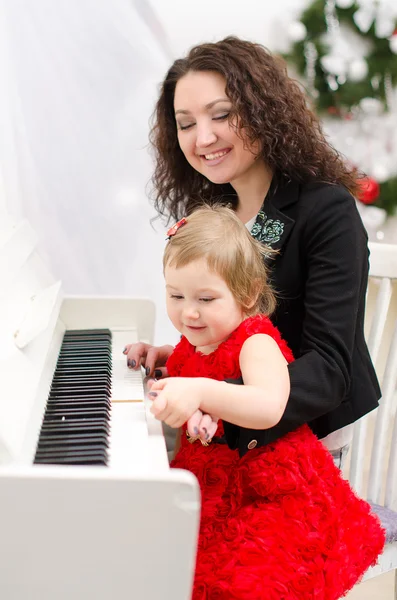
column 381, row 60
column 388, row 195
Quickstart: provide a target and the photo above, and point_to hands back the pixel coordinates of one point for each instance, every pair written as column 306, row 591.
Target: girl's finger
column 159, row 406
column 157, row 386
column 175, row 423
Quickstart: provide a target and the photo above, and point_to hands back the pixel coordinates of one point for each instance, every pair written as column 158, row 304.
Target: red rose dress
column 280, row 523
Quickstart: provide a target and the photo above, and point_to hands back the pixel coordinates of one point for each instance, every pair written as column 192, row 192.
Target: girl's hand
column 176, row 399
column 153, row 358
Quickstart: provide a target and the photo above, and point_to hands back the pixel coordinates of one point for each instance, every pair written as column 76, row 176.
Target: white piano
column 89, row 508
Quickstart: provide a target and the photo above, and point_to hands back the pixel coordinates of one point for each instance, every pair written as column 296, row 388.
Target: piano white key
column 136, row 438
column 127, row 385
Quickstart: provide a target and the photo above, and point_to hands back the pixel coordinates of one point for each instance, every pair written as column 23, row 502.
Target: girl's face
column 200, row 305
column 206, row 137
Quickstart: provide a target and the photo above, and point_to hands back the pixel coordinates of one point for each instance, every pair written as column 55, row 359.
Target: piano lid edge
column 113, row 312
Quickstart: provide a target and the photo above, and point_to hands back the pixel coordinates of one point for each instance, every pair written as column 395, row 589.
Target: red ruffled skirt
column 279, row 523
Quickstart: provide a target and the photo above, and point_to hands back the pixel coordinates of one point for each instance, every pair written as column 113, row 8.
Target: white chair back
column 381, row 487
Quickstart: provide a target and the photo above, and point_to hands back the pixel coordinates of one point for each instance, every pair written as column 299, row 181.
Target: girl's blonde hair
column 216, row 234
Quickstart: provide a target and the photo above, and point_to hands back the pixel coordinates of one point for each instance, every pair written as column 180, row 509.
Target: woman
column 232, row 127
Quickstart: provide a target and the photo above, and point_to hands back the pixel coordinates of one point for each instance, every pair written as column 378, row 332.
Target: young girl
column 278, row 521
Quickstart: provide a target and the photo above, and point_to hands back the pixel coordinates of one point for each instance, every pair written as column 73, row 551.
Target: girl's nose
column 191, row 312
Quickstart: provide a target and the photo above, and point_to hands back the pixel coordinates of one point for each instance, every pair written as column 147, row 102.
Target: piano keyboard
column 76, row 424
column 95, row 412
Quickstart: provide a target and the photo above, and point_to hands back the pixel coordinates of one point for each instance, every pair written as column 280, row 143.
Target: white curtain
column 78, row 80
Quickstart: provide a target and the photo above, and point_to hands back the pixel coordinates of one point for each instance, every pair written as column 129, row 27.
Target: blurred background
column 78, row 83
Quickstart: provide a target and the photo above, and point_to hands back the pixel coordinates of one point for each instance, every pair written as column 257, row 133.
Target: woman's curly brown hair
column 272, row 109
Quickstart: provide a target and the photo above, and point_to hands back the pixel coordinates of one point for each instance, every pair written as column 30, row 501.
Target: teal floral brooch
column 267, row 231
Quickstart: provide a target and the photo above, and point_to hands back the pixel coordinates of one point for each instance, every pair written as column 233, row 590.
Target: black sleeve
column 334, row 246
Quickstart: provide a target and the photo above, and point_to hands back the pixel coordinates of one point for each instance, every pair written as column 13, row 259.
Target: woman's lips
column 212, row 162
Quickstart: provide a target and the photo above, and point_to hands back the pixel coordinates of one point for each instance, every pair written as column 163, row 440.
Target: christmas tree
column 347, row 53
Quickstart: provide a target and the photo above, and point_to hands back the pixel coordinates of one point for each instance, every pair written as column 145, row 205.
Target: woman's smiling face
column 207, row 136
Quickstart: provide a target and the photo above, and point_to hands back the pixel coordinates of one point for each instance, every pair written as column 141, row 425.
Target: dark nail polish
column 133, row 363
column 204, row 429
column 207, row 435
column 196, row 431
column 129, row 363
column 157, row 373
column 154, row 394
column 125, row 350
column 147, row 371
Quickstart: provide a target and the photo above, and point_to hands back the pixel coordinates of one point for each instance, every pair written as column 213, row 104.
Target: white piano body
column 122, row 531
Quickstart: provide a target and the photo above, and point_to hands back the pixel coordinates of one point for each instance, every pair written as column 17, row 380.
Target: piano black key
column 89, row 348
column 96, row 455
column 65, row 428
column 74, row 394
column 67, row 392
column 86, row 417
column 82, row 369
column 102, row 395
column 91, row 361
column 87, row 459
column 78, row 449
column 78, row 378
column 100, row 345
column 103, row 382
column 87, row 332
column 77, row 411
column 77, row 439
column 91, row 379
column 84, row 354
column 76, row 424
column 82, row 405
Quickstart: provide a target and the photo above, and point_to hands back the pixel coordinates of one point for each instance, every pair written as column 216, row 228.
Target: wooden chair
column 381, row 488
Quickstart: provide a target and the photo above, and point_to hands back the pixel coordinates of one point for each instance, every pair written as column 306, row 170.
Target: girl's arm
column 260, row 403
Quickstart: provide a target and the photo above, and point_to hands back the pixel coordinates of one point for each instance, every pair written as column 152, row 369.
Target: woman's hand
column 202, row 426
column 153, row 358
column 176, row 399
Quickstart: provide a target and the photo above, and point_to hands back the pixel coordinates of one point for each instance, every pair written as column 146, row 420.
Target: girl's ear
column 256, row 291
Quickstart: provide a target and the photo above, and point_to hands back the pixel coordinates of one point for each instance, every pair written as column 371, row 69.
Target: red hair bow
column 172, row 231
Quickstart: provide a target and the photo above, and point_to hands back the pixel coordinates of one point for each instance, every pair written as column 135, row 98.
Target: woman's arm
column 334, row 255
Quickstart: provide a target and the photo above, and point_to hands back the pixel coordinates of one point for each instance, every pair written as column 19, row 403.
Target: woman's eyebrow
column 209, row 105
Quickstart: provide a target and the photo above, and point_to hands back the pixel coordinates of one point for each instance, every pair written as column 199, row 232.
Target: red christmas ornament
column 369, row 190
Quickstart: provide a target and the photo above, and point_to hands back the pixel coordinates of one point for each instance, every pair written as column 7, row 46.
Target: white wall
column 261, row 21
column 79, row 81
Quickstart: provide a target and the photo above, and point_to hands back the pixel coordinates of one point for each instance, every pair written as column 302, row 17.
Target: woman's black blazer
column 320, row 275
